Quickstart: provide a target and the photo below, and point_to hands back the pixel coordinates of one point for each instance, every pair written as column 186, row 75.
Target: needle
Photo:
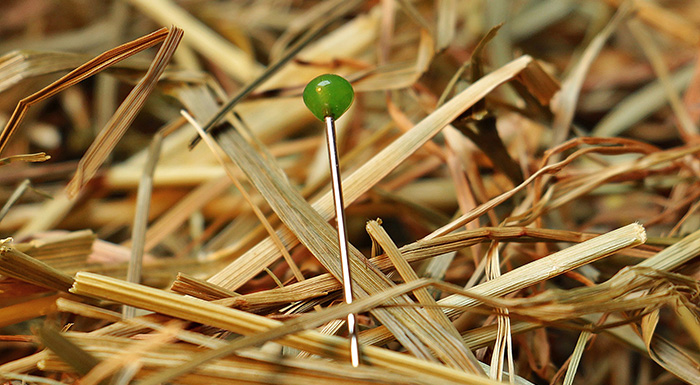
column 328, row 97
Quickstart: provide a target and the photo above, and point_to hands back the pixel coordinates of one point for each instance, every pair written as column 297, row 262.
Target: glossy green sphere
column 328, row 95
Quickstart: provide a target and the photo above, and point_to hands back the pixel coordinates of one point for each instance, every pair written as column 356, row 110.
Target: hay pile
column 521, row 181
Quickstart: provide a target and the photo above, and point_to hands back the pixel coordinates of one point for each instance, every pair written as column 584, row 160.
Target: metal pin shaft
column 342, row 236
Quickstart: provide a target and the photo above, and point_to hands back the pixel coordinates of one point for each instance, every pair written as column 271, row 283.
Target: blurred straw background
column 522, row 183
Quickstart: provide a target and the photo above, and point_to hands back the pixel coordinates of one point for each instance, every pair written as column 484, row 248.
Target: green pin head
column 328, row 95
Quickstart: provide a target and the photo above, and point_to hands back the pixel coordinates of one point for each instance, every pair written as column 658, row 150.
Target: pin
column 328, row 97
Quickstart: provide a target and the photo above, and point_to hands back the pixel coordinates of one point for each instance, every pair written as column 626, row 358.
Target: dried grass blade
column 16, row 264
column 19, row 191
column 668, row 355
column 143, row 205
column 88, row 69
column 23, row 365
column 185, row 284
column 311, row 288
column 640, row 104
column 108, row 137
column 689, row 321
column 673, row 256
column 576, row 357
column 69, row 352
column 38, row 157
column 555, row 264
column 486, row 335
column 503, row 344
column 19, row 65
column 63, row 251
column 446, row 23
column 79, row 308
column 27, row 310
